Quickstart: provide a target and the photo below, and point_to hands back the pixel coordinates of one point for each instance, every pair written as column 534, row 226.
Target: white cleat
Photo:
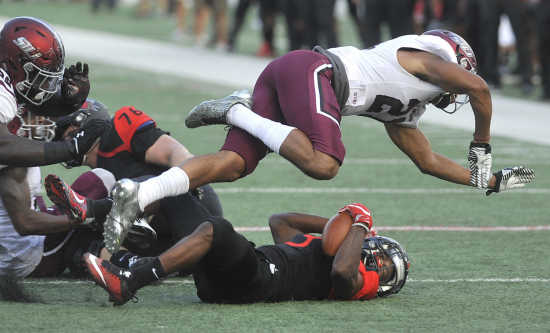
column 214, row 111
column 123, row 213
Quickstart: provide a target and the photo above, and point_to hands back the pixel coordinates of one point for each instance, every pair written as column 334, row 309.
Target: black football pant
column 227, row 273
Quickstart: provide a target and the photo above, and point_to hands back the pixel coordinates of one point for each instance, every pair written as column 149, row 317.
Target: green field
column 496, row 281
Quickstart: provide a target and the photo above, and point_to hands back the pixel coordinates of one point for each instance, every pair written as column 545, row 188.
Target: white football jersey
column 381, row 89
column 19, row 255
column 8, row 104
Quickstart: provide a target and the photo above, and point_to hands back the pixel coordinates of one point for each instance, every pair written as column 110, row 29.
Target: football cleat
column 214, row 112
column 110, row 277
column 141, row 237
column 70, row 202
column 124, row 212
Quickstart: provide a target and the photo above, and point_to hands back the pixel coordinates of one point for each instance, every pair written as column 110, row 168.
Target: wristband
column 361, row 225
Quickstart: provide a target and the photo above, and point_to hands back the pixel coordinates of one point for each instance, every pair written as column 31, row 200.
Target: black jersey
column 300, row 269
column 122, row 148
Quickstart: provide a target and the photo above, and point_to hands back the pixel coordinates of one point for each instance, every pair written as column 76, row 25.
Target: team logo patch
column 26, row 46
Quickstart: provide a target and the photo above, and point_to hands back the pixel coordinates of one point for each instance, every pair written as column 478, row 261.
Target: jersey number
column 391, row 106
column 125, row 116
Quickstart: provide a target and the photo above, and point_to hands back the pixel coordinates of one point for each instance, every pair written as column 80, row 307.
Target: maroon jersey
column 122, row 148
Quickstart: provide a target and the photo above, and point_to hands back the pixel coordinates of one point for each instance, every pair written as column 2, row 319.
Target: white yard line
column 340, row 190
column 186, row 281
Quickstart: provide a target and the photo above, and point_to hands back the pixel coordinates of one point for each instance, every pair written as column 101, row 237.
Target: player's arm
column 21, row 152
column 285, row 226
column 415, row 145
column 167, row 151
column 452, row 78
column 346, row 279
column 15, row 194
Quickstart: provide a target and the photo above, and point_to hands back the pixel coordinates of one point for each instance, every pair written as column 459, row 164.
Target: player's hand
column 359, row 214
column 479, row 161
column 75, row 85
column 510, row 178
column 84, row 139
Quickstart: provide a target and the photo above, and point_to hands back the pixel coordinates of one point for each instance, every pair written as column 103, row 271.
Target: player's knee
column 220, row 229
column 324, row 171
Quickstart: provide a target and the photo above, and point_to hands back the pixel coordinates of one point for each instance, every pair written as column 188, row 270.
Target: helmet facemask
column 378, row 249
column 39, row 85
column 32, row 126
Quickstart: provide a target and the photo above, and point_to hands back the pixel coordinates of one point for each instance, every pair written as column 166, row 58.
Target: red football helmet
column 33, row 55
column 465, row 58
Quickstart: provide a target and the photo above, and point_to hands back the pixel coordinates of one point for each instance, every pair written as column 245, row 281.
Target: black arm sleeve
column 145, row 138
column 21, row 152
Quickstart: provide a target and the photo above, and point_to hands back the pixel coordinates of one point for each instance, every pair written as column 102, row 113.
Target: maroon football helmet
column 464, row 54
column 33, row 55
column 465, row 58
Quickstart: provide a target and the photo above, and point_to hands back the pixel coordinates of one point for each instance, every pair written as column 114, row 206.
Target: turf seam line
column 299, row 190
column 434, row 228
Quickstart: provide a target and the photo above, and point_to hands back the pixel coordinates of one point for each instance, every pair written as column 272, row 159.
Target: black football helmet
column 33, row 55
column 376, row 247
column 91, row 109
column 465, row 57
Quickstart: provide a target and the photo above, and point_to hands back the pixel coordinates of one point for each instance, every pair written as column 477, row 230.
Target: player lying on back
column 227, row 268
column 300, row 99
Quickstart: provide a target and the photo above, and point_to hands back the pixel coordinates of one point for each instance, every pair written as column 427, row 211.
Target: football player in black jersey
column 131, row 146
column 227, row 268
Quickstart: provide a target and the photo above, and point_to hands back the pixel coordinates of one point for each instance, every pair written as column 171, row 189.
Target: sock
column 98, row 208
column 146, row 270
column 270, row 132
column 171, row 182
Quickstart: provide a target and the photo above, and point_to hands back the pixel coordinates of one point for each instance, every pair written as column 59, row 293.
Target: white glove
column 510, row 178
column 479, row 161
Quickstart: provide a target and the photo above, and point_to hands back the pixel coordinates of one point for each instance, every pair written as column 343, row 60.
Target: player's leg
column 298, row 86
column 308, row 103
column 122, row 284
column 214, row 243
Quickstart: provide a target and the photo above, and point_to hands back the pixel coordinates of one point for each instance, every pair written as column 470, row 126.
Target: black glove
column 84, row 139
column 76, row 85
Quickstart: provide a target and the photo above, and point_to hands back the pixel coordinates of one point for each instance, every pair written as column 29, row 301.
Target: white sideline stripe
column 405, row 161
column 431, row 228
column 186, row 281
column 297, row 190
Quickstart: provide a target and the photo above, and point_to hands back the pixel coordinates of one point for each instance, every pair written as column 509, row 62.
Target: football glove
column 479, row 161
column 510, row 178
column 75, row 85
column 83, row 140
column 359, row 214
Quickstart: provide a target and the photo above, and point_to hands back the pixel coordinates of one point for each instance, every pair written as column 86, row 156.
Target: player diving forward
column 297, row 105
